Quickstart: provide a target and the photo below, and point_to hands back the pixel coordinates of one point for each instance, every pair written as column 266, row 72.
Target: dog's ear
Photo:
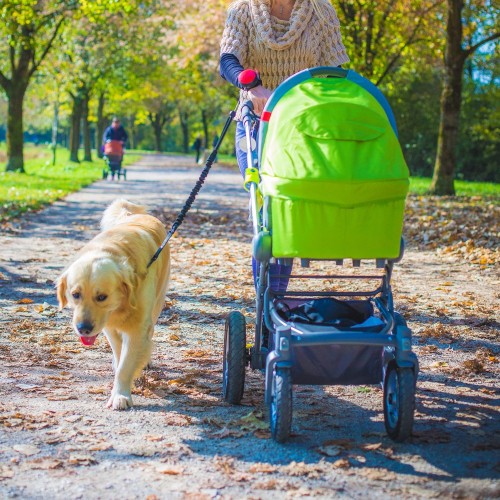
column 129, row 283
column 61, row 286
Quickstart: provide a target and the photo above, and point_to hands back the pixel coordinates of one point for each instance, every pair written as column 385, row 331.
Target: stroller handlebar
column 247, row 114
column 326, row 71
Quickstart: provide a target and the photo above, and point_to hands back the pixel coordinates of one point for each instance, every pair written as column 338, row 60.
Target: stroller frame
column 113, row 167
column 399, row 364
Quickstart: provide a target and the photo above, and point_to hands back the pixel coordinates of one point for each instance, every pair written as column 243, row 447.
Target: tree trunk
column 55, row 126
column 74, row 135
column 87, row 146
column 15, row 139
column 131, row 135
column 451, row 99
column 156, row 123
column 101, row 124
column 184, row 121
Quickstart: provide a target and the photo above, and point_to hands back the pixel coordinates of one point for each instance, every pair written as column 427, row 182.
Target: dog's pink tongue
column 88, row 340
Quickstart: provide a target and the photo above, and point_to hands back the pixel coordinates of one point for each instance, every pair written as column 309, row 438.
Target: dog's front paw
column 119, row 402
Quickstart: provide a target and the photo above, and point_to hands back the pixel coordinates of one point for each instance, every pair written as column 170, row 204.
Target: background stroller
column 113, row 158
column 333, row 182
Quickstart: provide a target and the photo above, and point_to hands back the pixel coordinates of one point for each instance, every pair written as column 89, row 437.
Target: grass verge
column 421, row 185
column 43, row 183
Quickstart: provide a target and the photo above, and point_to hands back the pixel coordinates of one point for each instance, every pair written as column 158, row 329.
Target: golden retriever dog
column 111, row 290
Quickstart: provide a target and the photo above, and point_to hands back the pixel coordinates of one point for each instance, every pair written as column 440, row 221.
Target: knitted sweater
column 278, row 49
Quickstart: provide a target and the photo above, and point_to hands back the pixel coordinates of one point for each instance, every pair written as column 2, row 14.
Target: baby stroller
column 113, row 157
column 328, row 183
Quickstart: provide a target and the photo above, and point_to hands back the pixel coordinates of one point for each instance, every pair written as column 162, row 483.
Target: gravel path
column 181, row 440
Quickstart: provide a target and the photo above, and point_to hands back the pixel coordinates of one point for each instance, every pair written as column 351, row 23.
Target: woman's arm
column 230, row 69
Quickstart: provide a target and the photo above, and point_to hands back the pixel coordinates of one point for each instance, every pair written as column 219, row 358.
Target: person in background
column 197, row 148
column 115, row 132
column 276, row 38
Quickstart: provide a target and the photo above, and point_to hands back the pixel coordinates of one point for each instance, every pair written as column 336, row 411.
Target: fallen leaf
column 439, row 364
column 177, row 419
column 5, row 473
column 312, row 471
column 97, row 390
column 342, row 463
column 270, row 484
column 73, row 418
column 371, row 446
column 26, row 449
column 61, row 397
column 474, row 366
column 378, row 474
column 330, row 450
column 81, row 459
column 262, row 434
column 225, row 432
column 27, row 387
column 169, row 470
column 46, row 463
column 102, row 446
column 262, row 467
column 487, row 391
column 253, row 421
column 153, row 437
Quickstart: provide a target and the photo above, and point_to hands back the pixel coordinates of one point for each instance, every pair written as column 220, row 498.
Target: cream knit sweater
column 278, row 49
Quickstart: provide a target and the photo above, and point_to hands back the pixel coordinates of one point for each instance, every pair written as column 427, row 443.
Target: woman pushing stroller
column 333, row 183
column 277, row 38
column 113, row 147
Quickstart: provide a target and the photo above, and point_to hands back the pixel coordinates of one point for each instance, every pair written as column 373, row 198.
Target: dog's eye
column 76, row 295
column 101, row 298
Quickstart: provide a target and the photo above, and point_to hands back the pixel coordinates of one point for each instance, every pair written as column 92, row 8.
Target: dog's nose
column 84, row 328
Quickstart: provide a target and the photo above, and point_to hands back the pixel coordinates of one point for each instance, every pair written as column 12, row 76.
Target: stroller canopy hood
column 333, row 170
column 334, row 137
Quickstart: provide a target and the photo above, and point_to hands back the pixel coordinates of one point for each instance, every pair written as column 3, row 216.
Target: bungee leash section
column 196, row 189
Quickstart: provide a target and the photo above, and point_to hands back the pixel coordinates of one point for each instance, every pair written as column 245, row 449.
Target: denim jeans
column 277, row 284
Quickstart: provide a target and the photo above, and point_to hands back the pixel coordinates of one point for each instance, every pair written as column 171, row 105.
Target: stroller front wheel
column 281, row 405
column 235, row 358
column 399, row 402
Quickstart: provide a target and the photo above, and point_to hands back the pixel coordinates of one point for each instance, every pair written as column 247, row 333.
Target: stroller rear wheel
column 281, row 405
column 235, row 358
column 399, row 402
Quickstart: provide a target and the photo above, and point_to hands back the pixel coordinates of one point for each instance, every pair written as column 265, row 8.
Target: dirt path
column 180, row 440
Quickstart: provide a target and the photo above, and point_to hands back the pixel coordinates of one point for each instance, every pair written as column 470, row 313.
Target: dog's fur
column 110, row 289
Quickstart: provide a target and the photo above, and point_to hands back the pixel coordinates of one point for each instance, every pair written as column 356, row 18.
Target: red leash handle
column 249, row 78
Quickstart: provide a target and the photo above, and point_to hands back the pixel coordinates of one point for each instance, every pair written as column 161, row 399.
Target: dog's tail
column 118, row 211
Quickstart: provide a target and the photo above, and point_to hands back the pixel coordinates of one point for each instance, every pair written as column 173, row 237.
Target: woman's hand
column 259, row 96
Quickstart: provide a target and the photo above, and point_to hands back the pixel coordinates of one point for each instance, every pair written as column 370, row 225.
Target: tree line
column 155, row 62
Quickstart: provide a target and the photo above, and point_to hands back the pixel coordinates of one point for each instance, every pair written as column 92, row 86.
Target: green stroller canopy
column 333, row 169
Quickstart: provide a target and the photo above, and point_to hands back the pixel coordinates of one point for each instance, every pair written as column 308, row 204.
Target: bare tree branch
column 473, row 49
column 47, row 48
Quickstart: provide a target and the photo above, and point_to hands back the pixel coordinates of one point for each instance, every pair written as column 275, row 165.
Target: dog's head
column 95, row 288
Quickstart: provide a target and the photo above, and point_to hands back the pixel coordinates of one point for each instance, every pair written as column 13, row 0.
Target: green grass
column 420, row 185
column 44, row 183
